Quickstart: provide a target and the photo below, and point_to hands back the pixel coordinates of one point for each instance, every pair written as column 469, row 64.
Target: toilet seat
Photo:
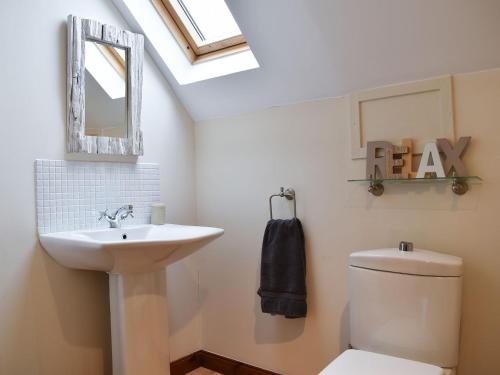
column 360, row 362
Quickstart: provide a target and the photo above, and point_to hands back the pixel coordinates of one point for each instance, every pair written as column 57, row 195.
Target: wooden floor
column 203, row 371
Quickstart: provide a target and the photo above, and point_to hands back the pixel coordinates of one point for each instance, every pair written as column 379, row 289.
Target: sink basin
column 139, row 248
column 135, row 258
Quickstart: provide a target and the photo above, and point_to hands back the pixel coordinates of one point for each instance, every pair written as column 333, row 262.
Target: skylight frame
column 178, row 22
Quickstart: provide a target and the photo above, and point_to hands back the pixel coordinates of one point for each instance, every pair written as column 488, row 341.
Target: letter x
column 453, row 155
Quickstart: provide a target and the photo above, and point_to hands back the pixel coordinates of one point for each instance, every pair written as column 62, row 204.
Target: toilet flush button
column 405, row 246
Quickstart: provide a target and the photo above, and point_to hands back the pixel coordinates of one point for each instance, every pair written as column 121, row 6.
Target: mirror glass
column 105, row 90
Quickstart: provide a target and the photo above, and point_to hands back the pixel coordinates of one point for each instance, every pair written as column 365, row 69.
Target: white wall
column 241, row 160
column 324, row 48
column 55, row 320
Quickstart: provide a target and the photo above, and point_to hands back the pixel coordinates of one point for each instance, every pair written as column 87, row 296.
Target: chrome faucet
column 120, row 214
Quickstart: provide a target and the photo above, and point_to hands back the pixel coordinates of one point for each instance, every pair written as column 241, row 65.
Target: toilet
column 404, row 311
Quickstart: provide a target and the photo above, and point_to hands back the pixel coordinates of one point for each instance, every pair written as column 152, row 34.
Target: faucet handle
column 129, row 211
column 103, row 214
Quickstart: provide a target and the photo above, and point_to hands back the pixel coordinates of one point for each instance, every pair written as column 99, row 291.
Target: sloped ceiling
column 311, row 49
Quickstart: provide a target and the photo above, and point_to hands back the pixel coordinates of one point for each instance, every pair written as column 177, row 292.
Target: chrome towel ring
column 288, row 194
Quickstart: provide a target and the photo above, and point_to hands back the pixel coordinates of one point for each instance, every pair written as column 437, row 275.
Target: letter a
column 430, row 150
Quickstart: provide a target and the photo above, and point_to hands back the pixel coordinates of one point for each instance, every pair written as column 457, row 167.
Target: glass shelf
column 472, row 179
column 459, row 184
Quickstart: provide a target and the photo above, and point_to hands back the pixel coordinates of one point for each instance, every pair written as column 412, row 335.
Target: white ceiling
column 310, row 49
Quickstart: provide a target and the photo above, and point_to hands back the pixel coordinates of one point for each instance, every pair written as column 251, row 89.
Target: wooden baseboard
column 215, row 362
column 184, row 365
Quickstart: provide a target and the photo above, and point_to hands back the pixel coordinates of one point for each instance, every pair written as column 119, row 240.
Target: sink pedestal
column 139, row 323
column 135, row 258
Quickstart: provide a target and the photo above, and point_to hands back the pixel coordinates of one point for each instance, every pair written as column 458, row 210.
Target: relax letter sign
column 439, row 159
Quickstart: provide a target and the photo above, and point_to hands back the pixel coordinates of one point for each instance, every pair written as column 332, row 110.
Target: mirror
column 105, row 90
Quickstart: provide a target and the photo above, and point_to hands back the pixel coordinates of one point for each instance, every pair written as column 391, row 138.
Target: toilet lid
column 356, row 362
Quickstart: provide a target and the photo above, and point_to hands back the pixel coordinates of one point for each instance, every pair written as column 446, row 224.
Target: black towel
column 283, row 269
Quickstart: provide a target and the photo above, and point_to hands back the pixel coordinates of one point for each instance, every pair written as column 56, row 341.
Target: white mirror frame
column 80, row 30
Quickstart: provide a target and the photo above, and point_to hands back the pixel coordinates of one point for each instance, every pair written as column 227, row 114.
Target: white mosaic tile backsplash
column 70, row 194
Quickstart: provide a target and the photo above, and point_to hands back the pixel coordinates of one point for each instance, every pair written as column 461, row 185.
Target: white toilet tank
column 406, row 304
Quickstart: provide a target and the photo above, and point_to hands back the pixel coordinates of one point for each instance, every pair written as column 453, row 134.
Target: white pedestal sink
column 135, row 258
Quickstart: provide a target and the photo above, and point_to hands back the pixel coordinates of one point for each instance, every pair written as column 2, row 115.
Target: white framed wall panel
column 421, row 110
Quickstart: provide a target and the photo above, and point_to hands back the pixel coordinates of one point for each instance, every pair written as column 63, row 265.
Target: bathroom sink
column 140, row 248
column 135, row 258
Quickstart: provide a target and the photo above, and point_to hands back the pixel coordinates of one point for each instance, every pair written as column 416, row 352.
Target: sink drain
column 124, row 236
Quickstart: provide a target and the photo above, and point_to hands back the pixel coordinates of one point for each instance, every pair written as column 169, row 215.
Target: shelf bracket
column 376, row 188
column 459, row 186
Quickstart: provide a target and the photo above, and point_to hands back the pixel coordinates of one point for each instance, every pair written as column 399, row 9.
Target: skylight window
column 185, row 55
column 203, row 28
column 210, row 21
